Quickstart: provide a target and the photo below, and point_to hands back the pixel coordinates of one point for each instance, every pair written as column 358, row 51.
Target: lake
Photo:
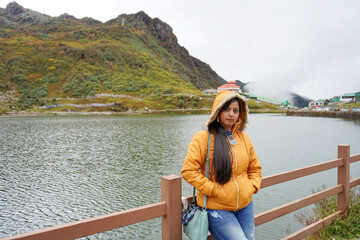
column 59, row 169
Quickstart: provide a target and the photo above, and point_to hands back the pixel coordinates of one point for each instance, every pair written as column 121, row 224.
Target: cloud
column 311, row 47
column 306, row 46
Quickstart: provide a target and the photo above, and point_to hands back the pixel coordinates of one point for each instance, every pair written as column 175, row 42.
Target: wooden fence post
column 344, row 178
column 171, row 194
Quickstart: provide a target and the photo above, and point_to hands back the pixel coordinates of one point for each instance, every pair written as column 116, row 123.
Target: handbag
column 195, row 218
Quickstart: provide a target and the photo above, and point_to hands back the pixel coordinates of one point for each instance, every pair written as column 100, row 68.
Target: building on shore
column 335, row 99
column 318, row 103
column 357, row 97
column 348, row 97
column 230, row 86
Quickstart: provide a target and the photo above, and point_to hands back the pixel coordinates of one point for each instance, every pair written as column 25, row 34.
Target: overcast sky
column 311, row 47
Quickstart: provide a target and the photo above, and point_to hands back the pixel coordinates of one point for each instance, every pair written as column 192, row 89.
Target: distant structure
column 318, row 103
column 348, row 97
column 345, row 98
column 230, row 86
column 122, row 21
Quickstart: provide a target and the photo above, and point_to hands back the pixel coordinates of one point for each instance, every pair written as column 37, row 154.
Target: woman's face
column 230, row 115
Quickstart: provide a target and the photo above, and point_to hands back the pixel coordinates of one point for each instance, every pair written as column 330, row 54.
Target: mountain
column 298, row 100
column 165, row 36
column 44, row 57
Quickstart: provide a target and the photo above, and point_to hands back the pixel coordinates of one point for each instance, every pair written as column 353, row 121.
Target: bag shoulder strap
column 207, row 170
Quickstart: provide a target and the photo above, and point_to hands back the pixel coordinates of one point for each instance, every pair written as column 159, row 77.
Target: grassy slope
column 67, row 61
column 61, row 64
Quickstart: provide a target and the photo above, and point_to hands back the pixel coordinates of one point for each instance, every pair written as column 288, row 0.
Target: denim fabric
column 225, row 225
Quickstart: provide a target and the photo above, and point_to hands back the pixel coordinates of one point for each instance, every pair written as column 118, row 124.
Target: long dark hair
column 221, row 167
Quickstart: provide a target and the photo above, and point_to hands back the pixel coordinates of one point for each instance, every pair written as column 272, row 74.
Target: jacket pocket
column 226, row 194
column 251, row 185
column 246, row 188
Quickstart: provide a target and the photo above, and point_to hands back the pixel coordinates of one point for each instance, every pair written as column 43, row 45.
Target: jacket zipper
column 237, row 186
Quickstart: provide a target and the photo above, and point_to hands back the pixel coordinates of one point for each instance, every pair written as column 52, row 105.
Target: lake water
column 59, row 169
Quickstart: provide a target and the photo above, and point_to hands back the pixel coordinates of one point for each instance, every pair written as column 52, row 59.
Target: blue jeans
column 237, row 225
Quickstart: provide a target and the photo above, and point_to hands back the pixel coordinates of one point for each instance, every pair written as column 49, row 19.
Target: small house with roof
column 335, row 99
column 357, row 97
column 318, row 103
column 312, row 104
column 230, row 86
column 348, row 97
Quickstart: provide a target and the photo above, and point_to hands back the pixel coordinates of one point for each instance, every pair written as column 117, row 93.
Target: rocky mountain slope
column 44, row 57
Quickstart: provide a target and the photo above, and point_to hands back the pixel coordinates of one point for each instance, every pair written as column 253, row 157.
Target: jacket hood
column 220, row 100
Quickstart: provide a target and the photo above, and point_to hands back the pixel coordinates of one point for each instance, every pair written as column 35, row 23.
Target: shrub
column 82, row 88
column 168, row 91
column 342, row 227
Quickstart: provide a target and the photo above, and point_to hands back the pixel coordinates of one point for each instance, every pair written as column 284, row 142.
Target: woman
column 235, row 171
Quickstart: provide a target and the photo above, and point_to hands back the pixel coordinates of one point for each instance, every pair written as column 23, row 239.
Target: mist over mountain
column 275, row 92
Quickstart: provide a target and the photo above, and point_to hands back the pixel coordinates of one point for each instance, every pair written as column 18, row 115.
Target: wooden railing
column 342, row 190
column 169, row 209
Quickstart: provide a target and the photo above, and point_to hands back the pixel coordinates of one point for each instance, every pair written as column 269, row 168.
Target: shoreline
column 143, row 112
column 64, row 113
column 331, row 114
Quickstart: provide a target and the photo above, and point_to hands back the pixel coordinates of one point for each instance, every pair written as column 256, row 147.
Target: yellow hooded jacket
column 246, row 177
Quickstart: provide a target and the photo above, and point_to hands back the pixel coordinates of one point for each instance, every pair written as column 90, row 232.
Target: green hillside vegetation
column 130, row 63
column 149, row 103
column 262, row 105
column 66, row 63
column 44, row 60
